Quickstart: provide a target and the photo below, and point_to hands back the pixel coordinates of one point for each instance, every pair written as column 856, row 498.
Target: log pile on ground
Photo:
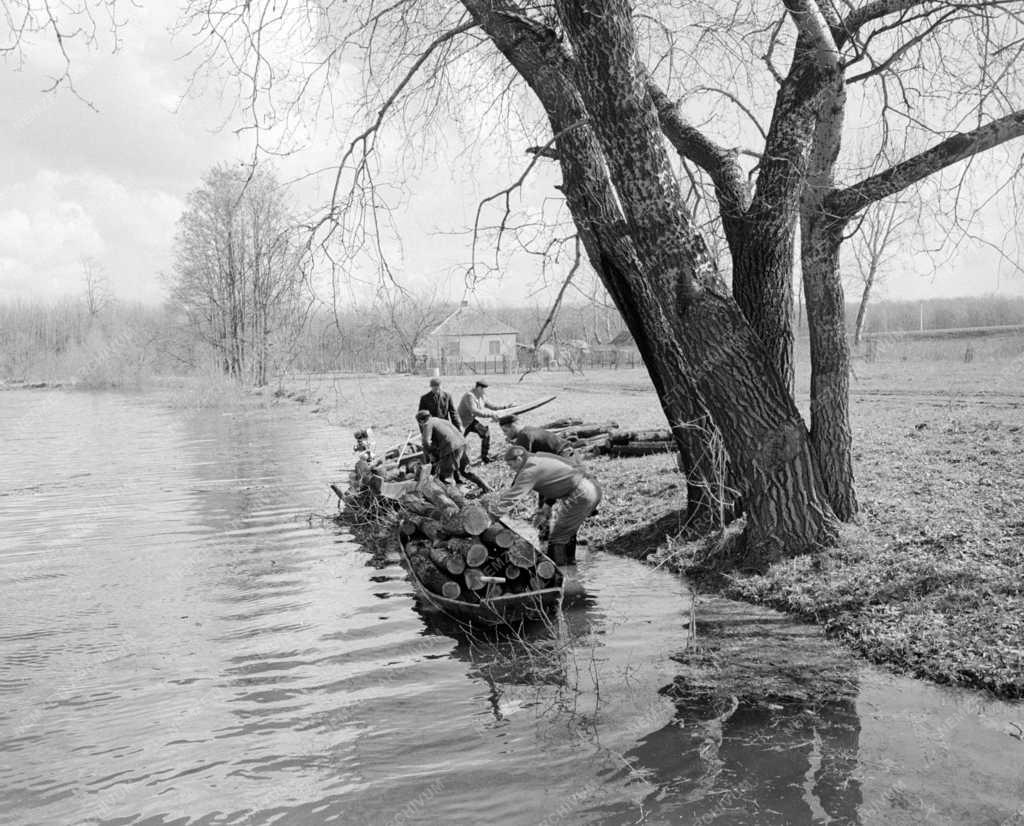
column 639, row 442
column 458, row 550
column 609, row 440
column 583, row 437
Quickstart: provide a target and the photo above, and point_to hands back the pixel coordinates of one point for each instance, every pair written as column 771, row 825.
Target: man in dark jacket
column 440, row 404
column 534, row 439
column 445, row 448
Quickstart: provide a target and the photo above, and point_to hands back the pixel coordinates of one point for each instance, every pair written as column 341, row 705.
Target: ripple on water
column 184, row 641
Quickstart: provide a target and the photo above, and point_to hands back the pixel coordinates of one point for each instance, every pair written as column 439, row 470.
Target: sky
column 109, row 183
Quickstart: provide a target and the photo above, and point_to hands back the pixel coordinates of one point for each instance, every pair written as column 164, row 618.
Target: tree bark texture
column 631, row 218
column 821, row 237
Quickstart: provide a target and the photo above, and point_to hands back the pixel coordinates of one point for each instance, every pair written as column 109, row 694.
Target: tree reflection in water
column 758, row 725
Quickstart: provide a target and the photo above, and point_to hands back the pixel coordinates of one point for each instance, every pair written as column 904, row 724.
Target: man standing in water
column 575, row 493
column 472, row 409
column 445, row 448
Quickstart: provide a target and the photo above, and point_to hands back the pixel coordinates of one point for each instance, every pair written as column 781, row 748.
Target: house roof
column 467, row 321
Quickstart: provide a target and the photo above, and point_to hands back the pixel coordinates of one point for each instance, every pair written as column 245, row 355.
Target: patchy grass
column 932, row 580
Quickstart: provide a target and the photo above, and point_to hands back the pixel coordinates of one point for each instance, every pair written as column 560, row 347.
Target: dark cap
column 362, row 434
column 422, row 415
column 481, row 383
column 435, row 382
column 511, row 418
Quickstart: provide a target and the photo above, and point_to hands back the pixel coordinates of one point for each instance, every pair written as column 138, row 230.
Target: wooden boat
column 508, row 609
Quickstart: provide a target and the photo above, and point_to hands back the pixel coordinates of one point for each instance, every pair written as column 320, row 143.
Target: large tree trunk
column 762, row 283
column 629, row 211
column 821, row 236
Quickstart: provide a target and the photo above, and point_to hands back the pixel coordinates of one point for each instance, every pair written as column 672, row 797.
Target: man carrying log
column 534, row 439
column 472, row 409
column 445, row 448
column 575, row 493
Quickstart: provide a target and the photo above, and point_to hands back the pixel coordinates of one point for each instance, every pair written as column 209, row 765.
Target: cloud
column 57, row 218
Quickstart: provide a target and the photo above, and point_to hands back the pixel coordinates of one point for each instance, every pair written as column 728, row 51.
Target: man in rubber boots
column 445, row 448
column 575, row 493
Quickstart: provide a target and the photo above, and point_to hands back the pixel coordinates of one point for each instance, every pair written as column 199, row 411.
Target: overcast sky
column 110, row 184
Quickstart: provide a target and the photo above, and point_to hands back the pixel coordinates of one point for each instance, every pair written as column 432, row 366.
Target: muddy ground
column 930, row 582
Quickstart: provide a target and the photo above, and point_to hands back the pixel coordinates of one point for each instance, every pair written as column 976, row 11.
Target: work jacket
column 440, row 438
column 472, row 408
column 441, row 405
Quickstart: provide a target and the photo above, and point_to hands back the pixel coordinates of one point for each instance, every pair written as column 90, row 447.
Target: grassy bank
column 932, row 580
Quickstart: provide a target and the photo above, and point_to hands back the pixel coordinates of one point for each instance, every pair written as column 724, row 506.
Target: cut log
column 476, row 554
column 493, row 590
column 522, row 553
column 560, row 423
column 589, row 430
column 545, row 569
column 451, row 589
column 498, row 536
column 512, row 572
column 408, row 527
column 429, row 574
column 449, row 562
column 622, row 437
column 645, row 448
column 469, row 520
column 474, row 519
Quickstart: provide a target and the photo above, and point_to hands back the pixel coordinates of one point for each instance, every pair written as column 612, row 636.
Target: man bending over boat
column 575, row 493
column 445, row 448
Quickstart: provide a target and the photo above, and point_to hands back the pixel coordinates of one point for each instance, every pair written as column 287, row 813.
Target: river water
column 186, row 638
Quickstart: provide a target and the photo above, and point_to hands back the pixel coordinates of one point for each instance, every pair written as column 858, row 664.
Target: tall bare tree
column 875, row 248
column 97, row 288
column 241, row 270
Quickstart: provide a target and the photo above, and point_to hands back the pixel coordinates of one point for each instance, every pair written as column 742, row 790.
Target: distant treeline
column 116, row 346
column 939, row 314
column 122, row 344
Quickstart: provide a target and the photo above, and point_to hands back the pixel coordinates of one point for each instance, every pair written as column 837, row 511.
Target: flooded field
column 188, row 637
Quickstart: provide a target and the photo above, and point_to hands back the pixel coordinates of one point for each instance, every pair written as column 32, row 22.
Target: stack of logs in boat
column 608, row 439
column 457, row 550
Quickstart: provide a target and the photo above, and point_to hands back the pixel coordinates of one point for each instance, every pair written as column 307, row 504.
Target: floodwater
column 186, row 639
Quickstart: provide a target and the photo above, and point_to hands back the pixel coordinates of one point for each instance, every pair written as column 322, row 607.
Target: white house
column 471, row 335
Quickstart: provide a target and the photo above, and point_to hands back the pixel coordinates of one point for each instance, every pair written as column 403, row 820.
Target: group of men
column 540, row 461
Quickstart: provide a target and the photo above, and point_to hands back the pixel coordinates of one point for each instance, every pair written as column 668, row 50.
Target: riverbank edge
column 915, row 612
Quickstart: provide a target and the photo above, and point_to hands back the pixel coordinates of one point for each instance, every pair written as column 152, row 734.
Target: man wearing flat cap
column 439, row 404
column 473, row 408
column 564, row 482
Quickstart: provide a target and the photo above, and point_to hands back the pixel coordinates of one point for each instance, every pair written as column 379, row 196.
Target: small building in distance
column 473, row 336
